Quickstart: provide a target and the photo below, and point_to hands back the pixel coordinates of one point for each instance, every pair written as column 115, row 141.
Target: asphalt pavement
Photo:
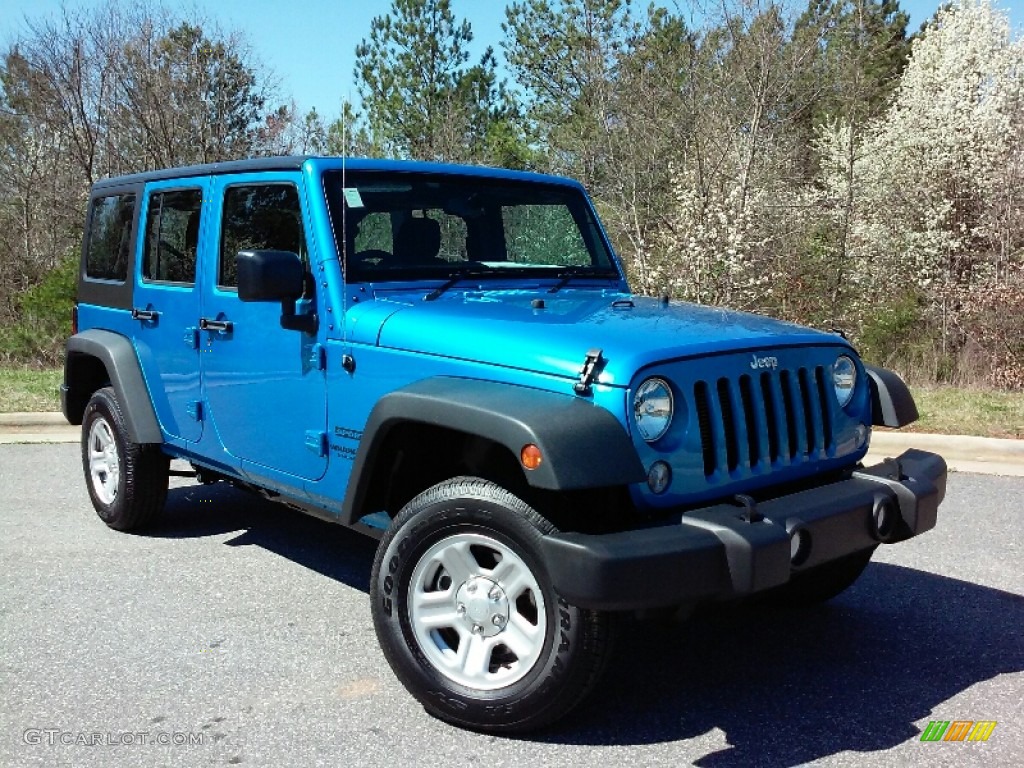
column 239, row 633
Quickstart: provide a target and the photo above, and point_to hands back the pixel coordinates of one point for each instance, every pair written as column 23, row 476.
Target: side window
column 544, row 234
column 110, row 235
column 172, row 236
column 258, row 217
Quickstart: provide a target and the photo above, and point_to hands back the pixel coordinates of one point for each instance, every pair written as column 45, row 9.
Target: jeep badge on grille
column 764, row 362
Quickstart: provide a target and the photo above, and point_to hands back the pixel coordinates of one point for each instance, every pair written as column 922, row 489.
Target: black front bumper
column 724, row 551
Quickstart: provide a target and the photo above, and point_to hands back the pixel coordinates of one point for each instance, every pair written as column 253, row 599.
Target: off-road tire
column 127, row 482
column 542, row 673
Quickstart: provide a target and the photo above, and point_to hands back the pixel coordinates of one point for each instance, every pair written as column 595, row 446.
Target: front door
column 265, row 386
column 166, row 305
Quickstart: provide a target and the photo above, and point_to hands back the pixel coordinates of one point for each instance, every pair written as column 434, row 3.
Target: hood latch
column 588, row 373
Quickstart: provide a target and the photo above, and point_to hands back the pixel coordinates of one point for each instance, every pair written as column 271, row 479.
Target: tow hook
column 750, row 513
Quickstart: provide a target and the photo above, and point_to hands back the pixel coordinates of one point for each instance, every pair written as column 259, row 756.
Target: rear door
column 166, row 306
column 265, row 386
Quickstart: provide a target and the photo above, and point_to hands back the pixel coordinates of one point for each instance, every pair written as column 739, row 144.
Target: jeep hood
column 502, row 327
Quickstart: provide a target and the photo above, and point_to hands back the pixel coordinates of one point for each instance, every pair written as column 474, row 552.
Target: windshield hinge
column 588, row 373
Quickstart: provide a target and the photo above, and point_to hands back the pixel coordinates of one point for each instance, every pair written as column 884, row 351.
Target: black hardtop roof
column 284, row 163
column 295, row 162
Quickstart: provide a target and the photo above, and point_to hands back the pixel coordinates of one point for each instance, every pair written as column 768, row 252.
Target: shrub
column 43, row 323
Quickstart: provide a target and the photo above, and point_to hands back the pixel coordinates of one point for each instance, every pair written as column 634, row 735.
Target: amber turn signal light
column 530, row 456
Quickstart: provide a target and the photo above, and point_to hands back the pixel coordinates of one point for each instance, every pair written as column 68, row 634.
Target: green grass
column 27, row 389
column 953, row 411
column 944, row 410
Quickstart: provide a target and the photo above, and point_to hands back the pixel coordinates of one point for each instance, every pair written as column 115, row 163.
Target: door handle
column 220, row 326
column 147, row 315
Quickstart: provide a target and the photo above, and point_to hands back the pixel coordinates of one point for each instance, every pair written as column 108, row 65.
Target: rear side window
column 110, row 235
column 172, row 236
column 259, row 217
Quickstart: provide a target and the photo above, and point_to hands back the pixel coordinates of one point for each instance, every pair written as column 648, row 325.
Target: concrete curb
column 952, row 446
column 963, row 453
column 32, row 420
column 37, row 428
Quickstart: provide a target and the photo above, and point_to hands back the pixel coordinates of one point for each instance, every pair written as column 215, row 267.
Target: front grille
column 761, row 420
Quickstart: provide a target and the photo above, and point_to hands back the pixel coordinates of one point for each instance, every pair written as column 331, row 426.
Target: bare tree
column 114, row 89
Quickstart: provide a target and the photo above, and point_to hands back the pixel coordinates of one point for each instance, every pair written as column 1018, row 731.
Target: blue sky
column 310, row 44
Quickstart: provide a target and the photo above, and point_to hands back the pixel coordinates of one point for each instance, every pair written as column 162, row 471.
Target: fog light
column 799, row 546
column 659, row 476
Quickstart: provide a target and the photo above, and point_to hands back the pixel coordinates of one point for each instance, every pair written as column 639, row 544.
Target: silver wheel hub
column 104, row 461
column 477, row 611
column 483, row 606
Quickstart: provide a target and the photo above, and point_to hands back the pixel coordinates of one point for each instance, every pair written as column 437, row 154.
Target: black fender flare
column 892, row 405
column 117, row 355
column 582, row 444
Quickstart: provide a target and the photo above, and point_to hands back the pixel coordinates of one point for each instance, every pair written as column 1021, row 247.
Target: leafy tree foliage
column 422, row 96
column 947, row 222
column 566, row 56
column 863, row 52
column 849, row 83
column 802, row 158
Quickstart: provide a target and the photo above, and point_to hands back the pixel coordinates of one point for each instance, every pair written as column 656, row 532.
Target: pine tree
column 565, row 57
column 422, row 97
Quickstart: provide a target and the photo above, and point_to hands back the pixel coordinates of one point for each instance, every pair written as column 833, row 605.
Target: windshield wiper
column 567, row 275
column 564, row 276
column 456, row 277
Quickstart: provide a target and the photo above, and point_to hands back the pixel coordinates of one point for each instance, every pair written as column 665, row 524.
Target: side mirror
column 275, row 276
column 269, row 275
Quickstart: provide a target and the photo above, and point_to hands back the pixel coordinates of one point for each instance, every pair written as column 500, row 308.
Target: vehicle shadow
column 785, row 687
column 197, row 511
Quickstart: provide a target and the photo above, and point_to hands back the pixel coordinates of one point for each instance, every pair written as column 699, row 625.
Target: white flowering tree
column 932, row 168
column 937, row 196
column 754, row 224
column 733, row 200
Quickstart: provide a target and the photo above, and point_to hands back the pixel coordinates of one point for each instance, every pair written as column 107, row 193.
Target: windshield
column 400, row 226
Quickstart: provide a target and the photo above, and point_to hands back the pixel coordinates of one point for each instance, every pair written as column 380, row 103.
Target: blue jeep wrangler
column 449, row 359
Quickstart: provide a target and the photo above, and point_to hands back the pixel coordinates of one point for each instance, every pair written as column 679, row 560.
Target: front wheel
column 467, row 616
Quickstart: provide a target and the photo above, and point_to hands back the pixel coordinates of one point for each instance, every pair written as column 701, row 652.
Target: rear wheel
column 127, row 481
column 467, row 616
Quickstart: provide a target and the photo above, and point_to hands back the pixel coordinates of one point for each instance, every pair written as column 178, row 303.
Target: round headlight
column 844, row 379
column 652, row 408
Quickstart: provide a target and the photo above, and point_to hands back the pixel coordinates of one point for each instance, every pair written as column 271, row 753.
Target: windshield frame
column 604, row 266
